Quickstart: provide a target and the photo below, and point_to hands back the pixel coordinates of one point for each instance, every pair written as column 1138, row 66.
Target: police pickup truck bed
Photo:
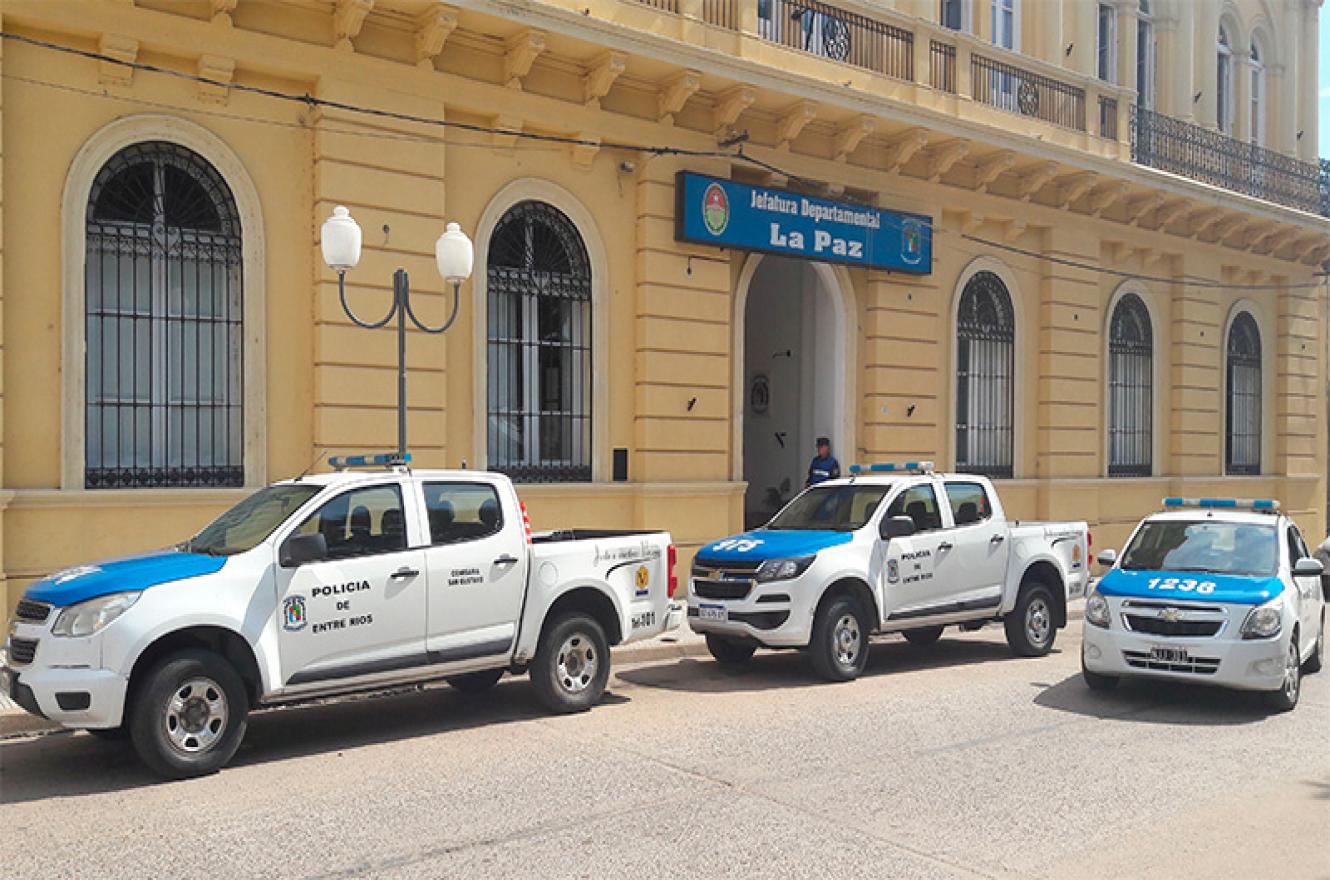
column 325, row 585
column 892, row 548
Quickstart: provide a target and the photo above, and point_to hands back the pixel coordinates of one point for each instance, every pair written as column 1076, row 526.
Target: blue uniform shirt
column 823, row 469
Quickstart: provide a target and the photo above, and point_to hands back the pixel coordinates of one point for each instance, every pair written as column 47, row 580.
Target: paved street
column 955, row 761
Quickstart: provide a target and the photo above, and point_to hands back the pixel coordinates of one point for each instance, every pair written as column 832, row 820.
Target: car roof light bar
column 914, row 467
column 382, row 459
column 1261, row 505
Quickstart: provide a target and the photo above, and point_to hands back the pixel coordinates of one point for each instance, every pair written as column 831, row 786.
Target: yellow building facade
column 1122, row 201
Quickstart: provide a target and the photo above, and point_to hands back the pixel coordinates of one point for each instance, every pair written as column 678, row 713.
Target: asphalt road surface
column 952, row 761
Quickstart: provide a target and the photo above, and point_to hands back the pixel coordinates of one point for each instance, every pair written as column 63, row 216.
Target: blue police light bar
column 894, row 467
column 383, row 459
column 1267, row 505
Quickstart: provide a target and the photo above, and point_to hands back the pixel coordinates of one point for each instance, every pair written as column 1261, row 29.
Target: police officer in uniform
column 824, row 467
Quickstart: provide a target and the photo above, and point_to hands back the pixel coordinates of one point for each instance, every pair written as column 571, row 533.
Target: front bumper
column 1231, row 662
column 70, row 693
column 771, row 614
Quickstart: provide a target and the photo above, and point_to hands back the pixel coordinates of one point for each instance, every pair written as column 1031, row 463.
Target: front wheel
column 189, row 715
column 729, row 652
column 1030, row 627
column 572, row 664
column 1097, row 681
column 839, row 649
column 1286, row 698
column 475, row 682
column 1317, row 660
column 924, row 636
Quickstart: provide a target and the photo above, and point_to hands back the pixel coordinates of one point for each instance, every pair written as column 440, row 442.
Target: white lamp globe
column 454, row 254
column 340, row 240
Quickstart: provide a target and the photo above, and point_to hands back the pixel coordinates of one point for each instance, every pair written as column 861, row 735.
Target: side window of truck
column 360, row 522
column 1296, row 549
column 969, row 503
column 462, row 512
column 919, row 503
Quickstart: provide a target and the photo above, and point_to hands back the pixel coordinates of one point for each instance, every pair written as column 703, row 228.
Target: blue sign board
column 712, row 210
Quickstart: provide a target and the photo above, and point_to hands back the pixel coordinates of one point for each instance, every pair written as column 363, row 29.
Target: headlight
column 782, row 569
column 1096, row 610
column 1264, row 622
column 88, row 617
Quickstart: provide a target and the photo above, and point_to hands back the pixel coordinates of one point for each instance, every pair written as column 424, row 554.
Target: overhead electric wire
column 740, row 154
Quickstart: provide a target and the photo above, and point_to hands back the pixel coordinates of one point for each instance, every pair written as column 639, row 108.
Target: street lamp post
column 453, row 255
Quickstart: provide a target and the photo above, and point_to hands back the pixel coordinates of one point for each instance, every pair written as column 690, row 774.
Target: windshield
column 830, row 509
column 1206, row 546
column 244, row 526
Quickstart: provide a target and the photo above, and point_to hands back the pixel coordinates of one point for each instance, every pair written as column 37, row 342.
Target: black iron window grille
column 1242, row 429
column 985, row 368
column 1130, row 389
column 820, row 29
column 539, row 289
column 163, row 323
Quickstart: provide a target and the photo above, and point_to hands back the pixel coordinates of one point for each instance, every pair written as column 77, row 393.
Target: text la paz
column 823, row 242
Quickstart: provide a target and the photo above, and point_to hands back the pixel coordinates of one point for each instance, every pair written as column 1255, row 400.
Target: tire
column 475, row 682
column 839, row 648
column 924, row 636
column 1316, row 661
column 572, row 664
column 110, row 734
column 1030, row 629
column 1097, row 681
column 1286, row 698
column 729, row 652
column 188, row 716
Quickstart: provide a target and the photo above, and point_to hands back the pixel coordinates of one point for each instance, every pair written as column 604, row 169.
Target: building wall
column 667, row 314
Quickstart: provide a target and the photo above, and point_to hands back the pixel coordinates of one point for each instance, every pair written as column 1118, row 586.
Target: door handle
column 997, row 539
column 506, row 560
column 404, row 572
column 945, row 546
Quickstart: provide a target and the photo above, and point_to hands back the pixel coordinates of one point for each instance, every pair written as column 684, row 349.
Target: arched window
column 1257, row 95
column 1224, row 83
column 1242, row 434
column 163, row 354
column 1145, row 56
column 1130, row 389
column 985, row 351
column 539, row 283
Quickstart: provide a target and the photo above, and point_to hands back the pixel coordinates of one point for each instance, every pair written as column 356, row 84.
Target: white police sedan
column 1217, row 591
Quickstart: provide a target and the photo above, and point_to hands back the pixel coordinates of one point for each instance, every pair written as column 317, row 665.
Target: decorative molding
column 1202, row 219
column 1035, row 178
column 121, row 48
column 585, row 154
column 674, row 94
column 1014, row 229
column 506, row 123
column 851, row 134
column 221, row 11
column 433, row 28
column 1170, row 212
column 730, row 105
column 792, row 122
column 944, row 156
column 1227, row 226
column 220, row 70
column 1106, row 197
column 1137, row 208
column 521, row 53
column 1074, row 187
column 904, row 146
column 971, row 222
column 348, row 18
column 600, row 77
column 990, row 168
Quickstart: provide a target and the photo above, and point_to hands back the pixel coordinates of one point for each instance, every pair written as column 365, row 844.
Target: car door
column 974, row 546
column 909, row 579
column 361, row 609
column 477, row 569
column 1309, row 588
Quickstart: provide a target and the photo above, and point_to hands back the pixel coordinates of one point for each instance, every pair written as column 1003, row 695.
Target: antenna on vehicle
column 318, row 457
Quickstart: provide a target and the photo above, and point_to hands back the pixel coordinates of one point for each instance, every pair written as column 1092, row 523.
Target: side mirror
column 1308, row 566
column 896, row 527
column 299, row 549
column 1107, row 558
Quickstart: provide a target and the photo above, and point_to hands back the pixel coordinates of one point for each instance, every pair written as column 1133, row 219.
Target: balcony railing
column 1212, row 157
column 942, row 67
column 1015, row 90
column 817, row 28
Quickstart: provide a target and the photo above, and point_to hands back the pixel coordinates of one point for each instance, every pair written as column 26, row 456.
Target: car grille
column 32, row 612
column 21, row 651
column 723, row 580
column 1193, row 666
column 1157, row 626
column 721, row 589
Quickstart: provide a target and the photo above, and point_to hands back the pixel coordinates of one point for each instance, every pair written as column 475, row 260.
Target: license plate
column 1169, row 655
column 713, row 612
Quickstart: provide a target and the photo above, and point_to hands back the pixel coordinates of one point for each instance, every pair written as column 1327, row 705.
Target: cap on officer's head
column 823, row 441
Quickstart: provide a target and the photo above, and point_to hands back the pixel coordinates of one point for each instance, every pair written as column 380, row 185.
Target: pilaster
column 903, row 417
column 1194, row 431
column 1299, row 385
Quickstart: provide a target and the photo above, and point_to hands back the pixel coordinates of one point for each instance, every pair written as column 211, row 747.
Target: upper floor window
column 1108, row 42
column 1257, row 95
column 1224, row 83
column 163, row 323
column 1242, row 434
column 985, row 366
column 952, row 14
column 539, row 282
column 1145, row 56
column 1130, row 389
column 1006, row 24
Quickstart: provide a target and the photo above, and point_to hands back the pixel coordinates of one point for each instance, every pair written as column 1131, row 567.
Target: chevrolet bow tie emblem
column 1170, row 614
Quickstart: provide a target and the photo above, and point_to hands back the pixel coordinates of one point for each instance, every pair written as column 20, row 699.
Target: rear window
column 969, row 503
column 462, row 512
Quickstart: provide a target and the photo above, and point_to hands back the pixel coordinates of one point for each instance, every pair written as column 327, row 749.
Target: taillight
column 1089, row 539
column 673, row 558
column 526, row 521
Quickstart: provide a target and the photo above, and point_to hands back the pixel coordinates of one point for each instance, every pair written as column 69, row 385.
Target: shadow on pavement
column 771, row 670
column 1155, row 702
column 68, row 764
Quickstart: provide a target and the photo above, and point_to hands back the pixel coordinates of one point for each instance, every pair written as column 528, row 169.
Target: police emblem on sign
column 715, row 209
column 294, row 617
column 912, row 242
column 893, row 571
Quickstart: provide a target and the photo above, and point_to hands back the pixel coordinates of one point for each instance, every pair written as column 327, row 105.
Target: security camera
column 627, row 167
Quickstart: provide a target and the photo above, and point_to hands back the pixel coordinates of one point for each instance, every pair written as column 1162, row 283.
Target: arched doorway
column 794, row 380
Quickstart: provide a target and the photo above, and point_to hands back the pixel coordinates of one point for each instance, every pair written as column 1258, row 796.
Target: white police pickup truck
column 324, row 585
column 1217, row 591
column 891, row 548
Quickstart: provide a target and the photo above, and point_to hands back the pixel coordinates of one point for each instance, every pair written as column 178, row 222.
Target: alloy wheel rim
column 847, row 638
column 195, row 715
column 1038, row 622
column 1291, row 672
column 577, row 663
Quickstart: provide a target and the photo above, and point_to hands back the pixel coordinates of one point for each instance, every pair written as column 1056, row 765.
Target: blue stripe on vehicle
column 83, row 582
column 1229, row 589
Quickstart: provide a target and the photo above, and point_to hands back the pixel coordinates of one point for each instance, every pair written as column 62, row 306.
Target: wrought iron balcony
column 1188, row 150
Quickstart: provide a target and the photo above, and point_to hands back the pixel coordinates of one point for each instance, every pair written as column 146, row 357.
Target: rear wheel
column 476, row 682
column 839, row 649
column 189, row 715
column 730, row 652
column 572, row 664
column 1030, row 625
column 1317, row 660
column 924, row 636
column 1286, row 698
